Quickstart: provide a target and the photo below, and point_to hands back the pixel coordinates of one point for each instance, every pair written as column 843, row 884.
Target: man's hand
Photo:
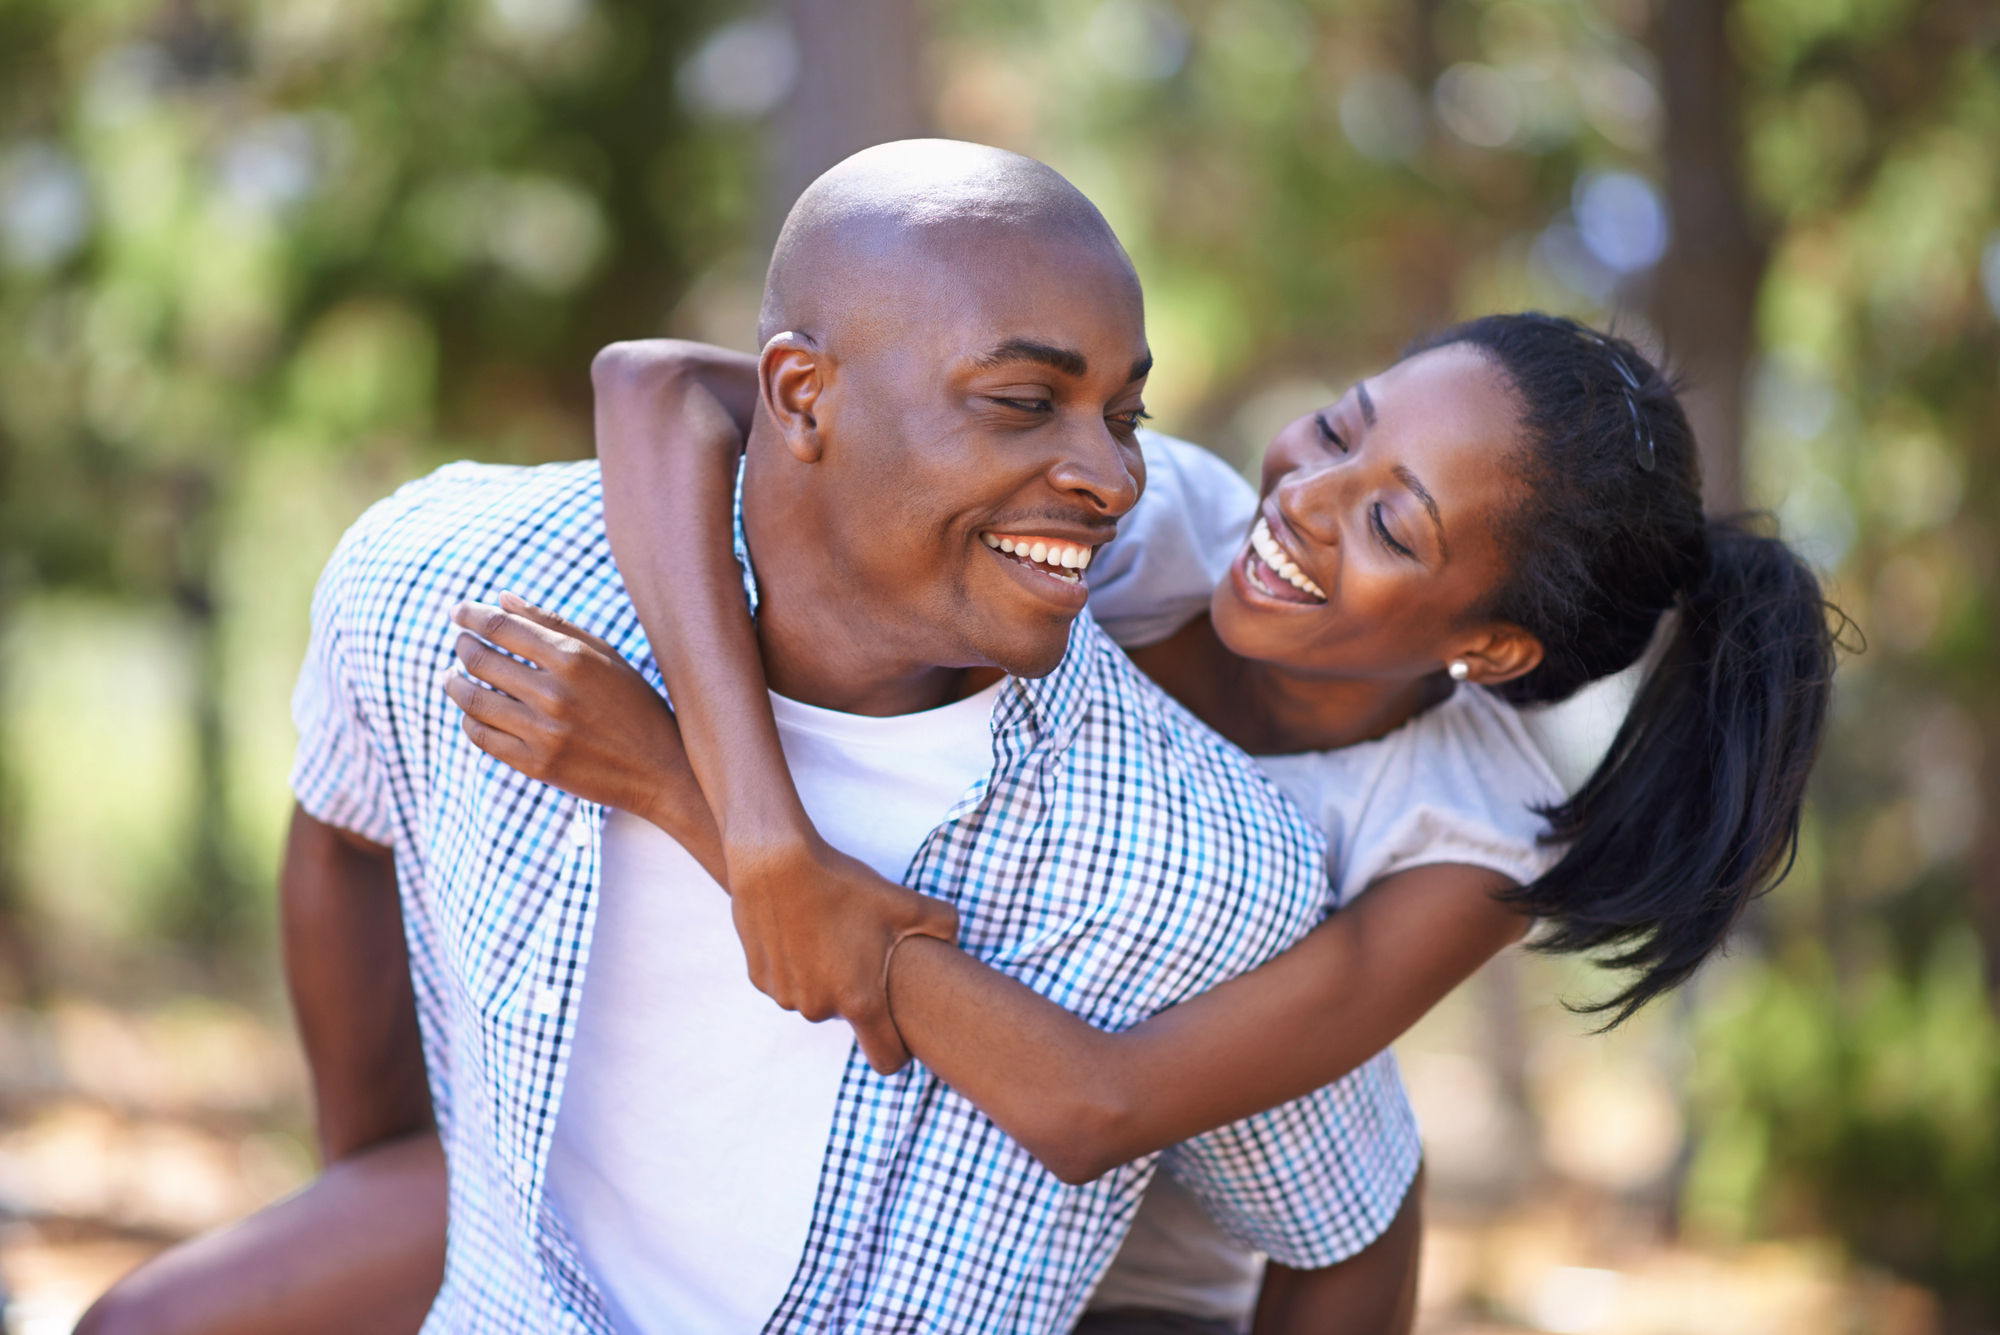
column 817, row 926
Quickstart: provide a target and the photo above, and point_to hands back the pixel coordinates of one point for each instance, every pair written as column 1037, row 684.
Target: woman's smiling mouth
column 1267, row 558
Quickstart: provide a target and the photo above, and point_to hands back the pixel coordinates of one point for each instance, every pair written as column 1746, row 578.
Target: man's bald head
column 891, row 210
column 954, row 351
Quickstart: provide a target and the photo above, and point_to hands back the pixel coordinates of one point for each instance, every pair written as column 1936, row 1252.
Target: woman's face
column 1386, row 508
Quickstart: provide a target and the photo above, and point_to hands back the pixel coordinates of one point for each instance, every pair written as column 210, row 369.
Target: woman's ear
column 790, row 378
column 1500, row 652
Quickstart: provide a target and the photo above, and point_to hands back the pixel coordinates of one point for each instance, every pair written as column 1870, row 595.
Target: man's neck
column 830, row 674
column 822, row 647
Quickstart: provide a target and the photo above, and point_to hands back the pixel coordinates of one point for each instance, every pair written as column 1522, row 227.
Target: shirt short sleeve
column 1462, row 782
column 1314, row 1181
column 1174, row 546
column 338, row 774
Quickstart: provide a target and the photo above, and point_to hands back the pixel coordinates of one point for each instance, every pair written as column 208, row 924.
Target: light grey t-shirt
column 1458, row 783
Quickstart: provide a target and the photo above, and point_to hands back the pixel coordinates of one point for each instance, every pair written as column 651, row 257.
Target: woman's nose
column 1311, row 500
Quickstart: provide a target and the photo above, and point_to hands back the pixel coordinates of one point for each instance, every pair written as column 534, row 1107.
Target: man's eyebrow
column 1423, row 495
column 1141, row 368
column 1027, row 350
column 1368, row 416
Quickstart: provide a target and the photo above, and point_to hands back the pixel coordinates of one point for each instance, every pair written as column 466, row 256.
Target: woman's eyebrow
column 1367, row 404
column 1423, row 495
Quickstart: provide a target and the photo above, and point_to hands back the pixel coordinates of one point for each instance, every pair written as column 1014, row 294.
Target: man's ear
column 1499, row 652
column 790, row 378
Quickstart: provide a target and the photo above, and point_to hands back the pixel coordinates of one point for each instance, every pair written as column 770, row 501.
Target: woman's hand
column 576, row 715
column 818, row 930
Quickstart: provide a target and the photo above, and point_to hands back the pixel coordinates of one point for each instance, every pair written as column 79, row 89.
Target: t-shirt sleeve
column 337, row 774
column 1463, row 785
column 1174, row 546
column 1315, row 1181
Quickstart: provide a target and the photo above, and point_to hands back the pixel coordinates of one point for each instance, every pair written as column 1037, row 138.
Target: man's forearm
column 349, row 972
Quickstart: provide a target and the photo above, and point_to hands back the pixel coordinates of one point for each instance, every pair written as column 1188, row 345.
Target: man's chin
column 1029, row 651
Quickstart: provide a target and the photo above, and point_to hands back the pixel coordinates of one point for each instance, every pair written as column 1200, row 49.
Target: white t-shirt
column 695, row 1113
column 1457, row 783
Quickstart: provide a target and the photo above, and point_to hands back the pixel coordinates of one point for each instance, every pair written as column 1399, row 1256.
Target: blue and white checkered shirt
column 1119, row 858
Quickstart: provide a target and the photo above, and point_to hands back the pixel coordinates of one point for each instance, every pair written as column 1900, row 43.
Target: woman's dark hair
column 1694, row 811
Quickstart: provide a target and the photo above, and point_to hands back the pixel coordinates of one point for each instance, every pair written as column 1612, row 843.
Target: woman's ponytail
column 1695, row 809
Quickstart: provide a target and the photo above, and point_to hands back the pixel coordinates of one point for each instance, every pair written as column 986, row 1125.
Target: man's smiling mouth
column 1065, row 561
column 1269, row 558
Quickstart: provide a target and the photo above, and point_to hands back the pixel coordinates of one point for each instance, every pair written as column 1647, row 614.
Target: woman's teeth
column 1064, row 561
column 1273, row 555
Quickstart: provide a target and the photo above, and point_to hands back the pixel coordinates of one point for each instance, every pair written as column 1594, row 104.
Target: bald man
column 636, row 1139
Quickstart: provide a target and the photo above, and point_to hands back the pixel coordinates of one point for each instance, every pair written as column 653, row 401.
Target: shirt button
column 523, row 1172
column 546, row 1000
column 579, row 830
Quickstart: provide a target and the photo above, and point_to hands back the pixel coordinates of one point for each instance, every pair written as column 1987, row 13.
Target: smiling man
column 638, row 1140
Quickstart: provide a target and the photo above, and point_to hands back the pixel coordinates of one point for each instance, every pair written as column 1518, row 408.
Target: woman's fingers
column 519, row 606
column 516, row 634
column 880, row 1043
column 498, row 670
column 934, row 917
column 493, row 722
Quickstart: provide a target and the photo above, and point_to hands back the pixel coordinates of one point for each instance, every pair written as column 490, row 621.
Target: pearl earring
column 1459, row 669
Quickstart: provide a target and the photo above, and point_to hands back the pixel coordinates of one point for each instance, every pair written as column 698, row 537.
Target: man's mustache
column 1100, row 527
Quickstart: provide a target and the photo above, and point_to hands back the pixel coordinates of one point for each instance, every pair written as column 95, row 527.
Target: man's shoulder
column 475, row 498
column 467, row 518
column 1128, row 710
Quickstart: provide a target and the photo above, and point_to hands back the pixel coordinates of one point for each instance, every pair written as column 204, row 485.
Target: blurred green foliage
column 381, row 232
column 1867, row 1107
column 265, row 258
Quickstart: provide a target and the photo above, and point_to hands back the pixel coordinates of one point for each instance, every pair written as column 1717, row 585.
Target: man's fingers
column 519, row 606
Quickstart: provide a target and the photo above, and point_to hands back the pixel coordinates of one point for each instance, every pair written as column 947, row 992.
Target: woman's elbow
column 1084, row 1140
column 640, row 365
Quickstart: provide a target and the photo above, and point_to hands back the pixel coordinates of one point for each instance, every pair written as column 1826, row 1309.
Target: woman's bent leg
column 1371, row 1293
column 359, row 1252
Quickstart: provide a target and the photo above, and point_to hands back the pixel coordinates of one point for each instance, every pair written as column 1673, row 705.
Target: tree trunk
column 211, row 908
column 21, row 981
column 859, row 84
column 1705, row 294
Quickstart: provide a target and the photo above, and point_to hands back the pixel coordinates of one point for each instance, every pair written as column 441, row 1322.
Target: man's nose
column 1104, row 474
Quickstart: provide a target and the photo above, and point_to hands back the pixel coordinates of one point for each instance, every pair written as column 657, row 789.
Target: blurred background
column 262, row 260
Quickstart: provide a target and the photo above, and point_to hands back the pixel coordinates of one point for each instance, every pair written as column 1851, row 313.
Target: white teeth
column 1274, row 556
column 1065, row 557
